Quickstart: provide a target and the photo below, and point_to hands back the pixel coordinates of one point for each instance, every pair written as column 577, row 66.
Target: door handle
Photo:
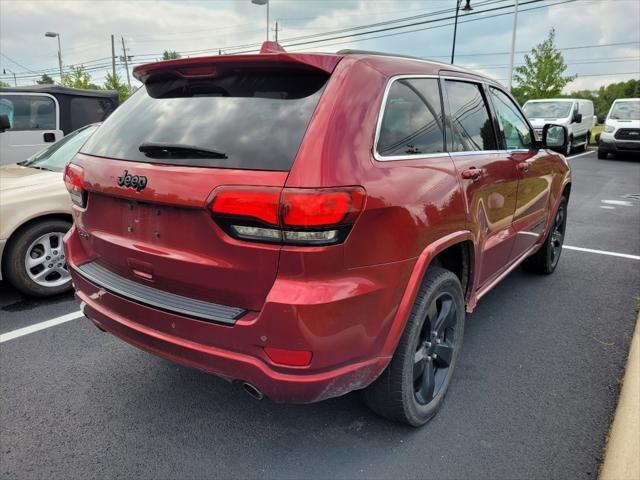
column 49, row 137
column 471, row 173
column 523, row 167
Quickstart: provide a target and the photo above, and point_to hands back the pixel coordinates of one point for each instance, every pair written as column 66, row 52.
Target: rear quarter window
column 412, row 120
column 256, row 119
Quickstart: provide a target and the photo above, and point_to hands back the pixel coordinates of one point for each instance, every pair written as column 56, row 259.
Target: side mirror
column 577, row 118
column 4, row 122
column 555, row 137
column 601, row 119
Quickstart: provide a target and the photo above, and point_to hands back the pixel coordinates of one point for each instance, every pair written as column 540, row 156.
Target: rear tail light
column 294, row 216
column 74, row 180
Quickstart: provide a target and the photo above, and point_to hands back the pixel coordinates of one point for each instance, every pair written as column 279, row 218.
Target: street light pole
column 54, row 34
column 466, row 8
column 513, row 45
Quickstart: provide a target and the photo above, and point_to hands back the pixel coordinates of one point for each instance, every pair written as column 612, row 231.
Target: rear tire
column 33, row 242
column 412, row 387
column 545, row 260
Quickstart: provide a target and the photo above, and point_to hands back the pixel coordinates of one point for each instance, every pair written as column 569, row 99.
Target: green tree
column 4, row 84
column 113, row 82
column 541, row 76
column 170, row 55
column 78, row 77
column 45, row 80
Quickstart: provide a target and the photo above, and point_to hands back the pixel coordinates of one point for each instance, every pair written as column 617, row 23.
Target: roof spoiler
column 272, row 54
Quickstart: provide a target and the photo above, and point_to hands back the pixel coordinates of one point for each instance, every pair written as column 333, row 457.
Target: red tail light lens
column 250, row 202
column 316, row 208
column 291, row 215
column 74, row 180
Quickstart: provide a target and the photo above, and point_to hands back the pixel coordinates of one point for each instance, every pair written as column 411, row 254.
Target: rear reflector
column 294, row 358
column 295, row 216
column 74, row 180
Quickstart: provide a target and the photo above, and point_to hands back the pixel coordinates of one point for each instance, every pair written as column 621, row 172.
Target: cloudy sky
column 600, row 39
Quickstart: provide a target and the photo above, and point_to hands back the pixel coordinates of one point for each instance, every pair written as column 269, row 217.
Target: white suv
column 621, row 132
column 574, row 113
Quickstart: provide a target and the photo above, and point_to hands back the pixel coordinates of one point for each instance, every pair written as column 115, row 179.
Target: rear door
column 35, row 124
column 535, row 169
column 148, row 215
column 489, row 179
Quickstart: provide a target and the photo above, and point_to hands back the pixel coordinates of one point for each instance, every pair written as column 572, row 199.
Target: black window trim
column 382, row 110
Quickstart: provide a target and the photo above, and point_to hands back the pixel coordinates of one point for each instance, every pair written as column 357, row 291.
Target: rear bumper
column 344, row 322
column 279, row 387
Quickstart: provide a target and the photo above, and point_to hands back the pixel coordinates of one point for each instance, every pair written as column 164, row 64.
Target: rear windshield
column 252, row 120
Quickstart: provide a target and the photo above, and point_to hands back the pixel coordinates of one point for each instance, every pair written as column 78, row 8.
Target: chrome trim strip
column 169, row 302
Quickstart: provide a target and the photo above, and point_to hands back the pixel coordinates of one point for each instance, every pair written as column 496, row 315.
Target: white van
column 34, row 117
column 621, row 132
column 574, row 113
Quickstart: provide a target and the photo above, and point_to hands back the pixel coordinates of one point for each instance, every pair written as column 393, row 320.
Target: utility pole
column 113, row 57
column 126, row 63
column 513, row 45
column 277, row 30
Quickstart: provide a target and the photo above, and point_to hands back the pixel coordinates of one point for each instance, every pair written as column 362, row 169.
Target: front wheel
column 545, row 260
column 413, row 386
column 602, row 155
column 568, row 149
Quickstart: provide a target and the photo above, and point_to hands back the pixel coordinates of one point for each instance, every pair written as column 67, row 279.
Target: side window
column 470, row 120
column 29, row 112
column 84, row 111
column 514, row 129
column 412, row 119
column 6, row 108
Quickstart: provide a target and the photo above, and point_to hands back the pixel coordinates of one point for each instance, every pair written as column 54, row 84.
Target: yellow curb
column 622, row 453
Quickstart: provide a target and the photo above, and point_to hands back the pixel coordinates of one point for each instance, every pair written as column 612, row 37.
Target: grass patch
column 595, row 131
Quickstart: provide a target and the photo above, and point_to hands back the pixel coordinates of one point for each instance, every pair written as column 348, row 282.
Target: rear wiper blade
column 169, row 150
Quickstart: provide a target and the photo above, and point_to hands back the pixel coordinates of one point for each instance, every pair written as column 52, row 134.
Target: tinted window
column 84, row 111
column 60, row 153
column 29, row 112
column 412, row 119
column 256, row 120
column 470, row 121
column 514, row 129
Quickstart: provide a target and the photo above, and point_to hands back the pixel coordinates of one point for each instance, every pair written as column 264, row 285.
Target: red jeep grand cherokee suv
column 311, row 224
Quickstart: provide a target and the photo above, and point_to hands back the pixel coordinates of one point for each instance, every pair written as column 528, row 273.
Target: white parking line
column 603, row 252
column 580, row 154
column 21, row 332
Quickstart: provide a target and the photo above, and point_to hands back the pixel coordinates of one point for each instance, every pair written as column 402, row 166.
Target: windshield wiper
column 168, row 150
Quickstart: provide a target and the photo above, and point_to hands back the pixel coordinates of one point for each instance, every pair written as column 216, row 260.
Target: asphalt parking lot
column 532, row 397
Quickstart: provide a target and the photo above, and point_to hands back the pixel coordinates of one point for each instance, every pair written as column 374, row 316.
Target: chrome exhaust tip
column 252, row 390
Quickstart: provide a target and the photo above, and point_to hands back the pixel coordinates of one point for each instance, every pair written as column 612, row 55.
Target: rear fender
column 415, row 280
